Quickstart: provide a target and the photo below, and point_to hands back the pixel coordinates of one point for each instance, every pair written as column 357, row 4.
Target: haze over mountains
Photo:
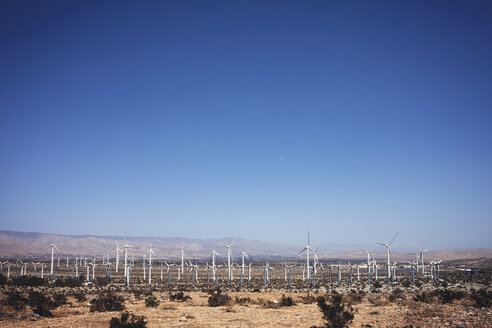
column 35, row 245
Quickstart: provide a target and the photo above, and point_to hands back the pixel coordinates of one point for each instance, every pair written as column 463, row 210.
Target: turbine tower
column 388, row 252
column 243, row 255
column 214, row 268
column 229, row 255
column 421, row 255
column 53, row 247
column 126, row 247
column 306, row 249
column 150, row 264
column 118, row 250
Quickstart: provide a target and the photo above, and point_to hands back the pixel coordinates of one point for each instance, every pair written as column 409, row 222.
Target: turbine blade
column 396, row 234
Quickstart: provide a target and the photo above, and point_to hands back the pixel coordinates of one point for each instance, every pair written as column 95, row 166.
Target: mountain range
column 14, row 244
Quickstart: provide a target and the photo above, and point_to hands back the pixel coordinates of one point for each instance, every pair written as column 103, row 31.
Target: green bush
column 15, row 300
column 286, row 301
column 28, row 281
column 40, row 304
column 481, row 298
column 107, row 302
column 179, row 297
column 336, row 314
column 128, row 320
column 3, row 280
column 68, row 282
column 217, row 298
column 151, row 301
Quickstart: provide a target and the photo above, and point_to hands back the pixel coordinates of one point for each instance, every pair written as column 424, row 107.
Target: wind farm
column 264, row 281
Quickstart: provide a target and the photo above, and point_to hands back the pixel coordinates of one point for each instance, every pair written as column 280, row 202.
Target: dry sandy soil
column 373, row 310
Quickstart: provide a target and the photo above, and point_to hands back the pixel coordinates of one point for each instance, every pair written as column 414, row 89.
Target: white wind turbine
column 229, row 255
column 368, row 259
column 388, row 252
column 126, row 247
column 150, row 264
column 214, row 268
column 306, row 249
column 118, row 250
column 421, row 254
column 53, row 247
column 243, row 255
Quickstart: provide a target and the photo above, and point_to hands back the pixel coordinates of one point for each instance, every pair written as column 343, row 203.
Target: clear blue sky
column 254, row 119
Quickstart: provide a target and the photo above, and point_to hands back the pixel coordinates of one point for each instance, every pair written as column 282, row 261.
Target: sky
column 252, row 119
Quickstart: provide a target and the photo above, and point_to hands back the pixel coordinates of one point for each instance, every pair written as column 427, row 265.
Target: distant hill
column 15, row 244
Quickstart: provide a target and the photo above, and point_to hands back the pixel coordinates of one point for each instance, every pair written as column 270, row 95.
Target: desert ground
column 459, row 299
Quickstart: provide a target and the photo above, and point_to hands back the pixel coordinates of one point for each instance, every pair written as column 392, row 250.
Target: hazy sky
column 259, row 119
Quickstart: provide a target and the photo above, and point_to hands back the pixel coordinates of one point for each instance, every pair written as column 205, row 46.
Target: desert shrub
column 151, row 301
column 354, row 297
column 243, row 300
column 179, row 297
column 336, row 314
column 68, row 282
column 127, row 320
column 267, row 304
column 28, row 281
column 137, row 294
column 395, row 295
column 377, row 300
column 3, row 280
column 217, row 298
column 107, row 302
column 447, row 296
column 442, row 295
column 376, row 284
column 481, row 298
column 406, row 283
column 80, row 296
column 59, row 299
column 15, row 300
column 40, row 304
column 423, row 297
column 308, row 299
column 101, row 281
column 286, row 301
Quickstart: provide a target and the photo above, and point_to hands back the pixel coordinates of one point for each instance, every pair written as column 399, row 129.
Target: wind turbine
column 412, row 266
column 214, row 268
column 126, row 247
column 266, row 273
column 438, row 262
column 368, row 259
column 118, row 250
column 229, row 255
column 53, row 247
column 169, row 272
column 143, row 264
column 150, row 264
column 35, row 265
column 243, row 255
column 422, row 251
column 388, row 251
column 306, row 249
